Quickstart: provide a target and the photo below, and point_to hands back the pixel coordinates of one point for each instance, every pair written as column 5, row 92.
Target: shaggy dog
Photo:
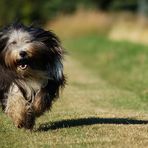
column 31, row 72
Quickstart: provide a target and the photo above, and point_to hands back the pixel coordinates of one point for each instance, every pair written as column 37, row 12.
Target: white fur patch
column 19, row 36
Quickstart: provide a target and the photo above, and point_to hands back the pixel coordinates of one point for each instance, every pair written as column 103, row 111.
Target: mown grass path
column 85, row 116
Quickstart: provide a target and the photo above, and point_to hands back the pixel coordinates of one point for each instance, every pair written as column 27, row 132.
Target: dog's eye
column 28, row 41
column 13, row 43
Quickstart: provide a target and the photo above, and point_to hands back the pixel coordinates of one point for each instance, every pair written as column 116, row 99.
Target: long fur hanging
column 31, row 72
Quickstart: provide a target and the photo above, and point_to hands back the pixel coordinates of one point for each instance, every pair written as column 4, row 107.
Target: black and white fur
column 31, row 72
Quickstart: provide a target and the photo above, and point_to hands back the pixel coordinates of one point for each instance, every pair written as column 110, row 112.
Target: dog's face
column 31, row 52
column 24, row 54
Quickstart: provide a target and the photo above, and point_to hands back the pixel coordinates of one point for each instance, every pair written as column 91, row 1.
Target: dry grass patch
column 131, row 28
column 118, row 26
column 81, row 22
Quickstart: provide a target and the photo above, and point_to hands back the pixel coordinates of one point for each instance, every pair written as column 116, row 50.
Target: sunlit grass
column 121, row 64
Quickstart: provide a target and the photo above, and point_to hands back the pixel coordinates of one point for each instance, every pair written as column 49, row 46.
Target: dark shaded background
column 37, row 11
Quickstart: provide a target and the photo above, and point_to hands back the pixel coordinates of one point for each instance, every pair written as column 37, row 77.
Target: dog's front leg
column 42, row 102
column 19, row 109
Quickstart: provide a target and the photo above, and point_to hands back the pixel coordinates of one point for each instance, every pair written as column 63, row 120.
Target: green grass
column 103, row 105
column 121, row 64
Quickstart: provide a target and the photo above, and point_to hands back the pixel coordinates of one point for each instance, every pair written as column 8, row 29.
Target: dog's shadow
column 88, row 121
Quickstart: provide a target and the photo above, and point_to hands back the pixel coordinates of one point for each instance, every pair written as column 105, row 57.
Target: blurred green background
column 29, row 11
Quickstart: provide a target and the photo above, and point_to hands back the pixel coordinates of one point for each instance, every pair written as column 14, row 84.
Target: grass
column 103, row 105
column 118, row 26
column 121, row 64
column 82, row 22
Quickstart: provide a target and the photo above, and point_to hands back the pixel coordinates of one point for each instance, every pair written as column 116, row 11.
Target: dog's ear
column 55, row 70
column 54, row 54
column 46, row 37
column 55, row 59
column 3, row 40
column 55, row 64
column 57, row 53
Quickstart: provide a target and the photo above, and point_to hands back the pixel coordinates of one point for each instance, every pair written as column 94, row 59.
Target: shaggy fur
column 31, row 72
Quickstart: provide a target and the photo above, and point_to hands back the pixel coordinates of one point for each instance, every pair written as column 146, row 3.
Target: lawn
column 103, row 105
column 121, row 64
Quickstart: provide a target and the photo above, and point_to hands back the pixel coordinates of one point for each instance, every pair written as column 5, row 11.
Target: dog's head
column 31, row 52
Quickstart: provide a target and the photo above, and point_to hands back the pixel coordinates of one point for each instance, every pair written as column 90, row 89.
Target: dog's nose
column 23, row 54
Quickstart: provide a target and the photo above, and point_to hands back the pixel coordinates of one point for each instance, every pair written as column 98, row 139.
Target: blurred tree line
column 38, row 11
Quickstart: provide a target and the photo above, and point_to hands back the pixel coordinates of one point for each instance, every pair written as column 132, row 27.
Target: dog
column 31, row 72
